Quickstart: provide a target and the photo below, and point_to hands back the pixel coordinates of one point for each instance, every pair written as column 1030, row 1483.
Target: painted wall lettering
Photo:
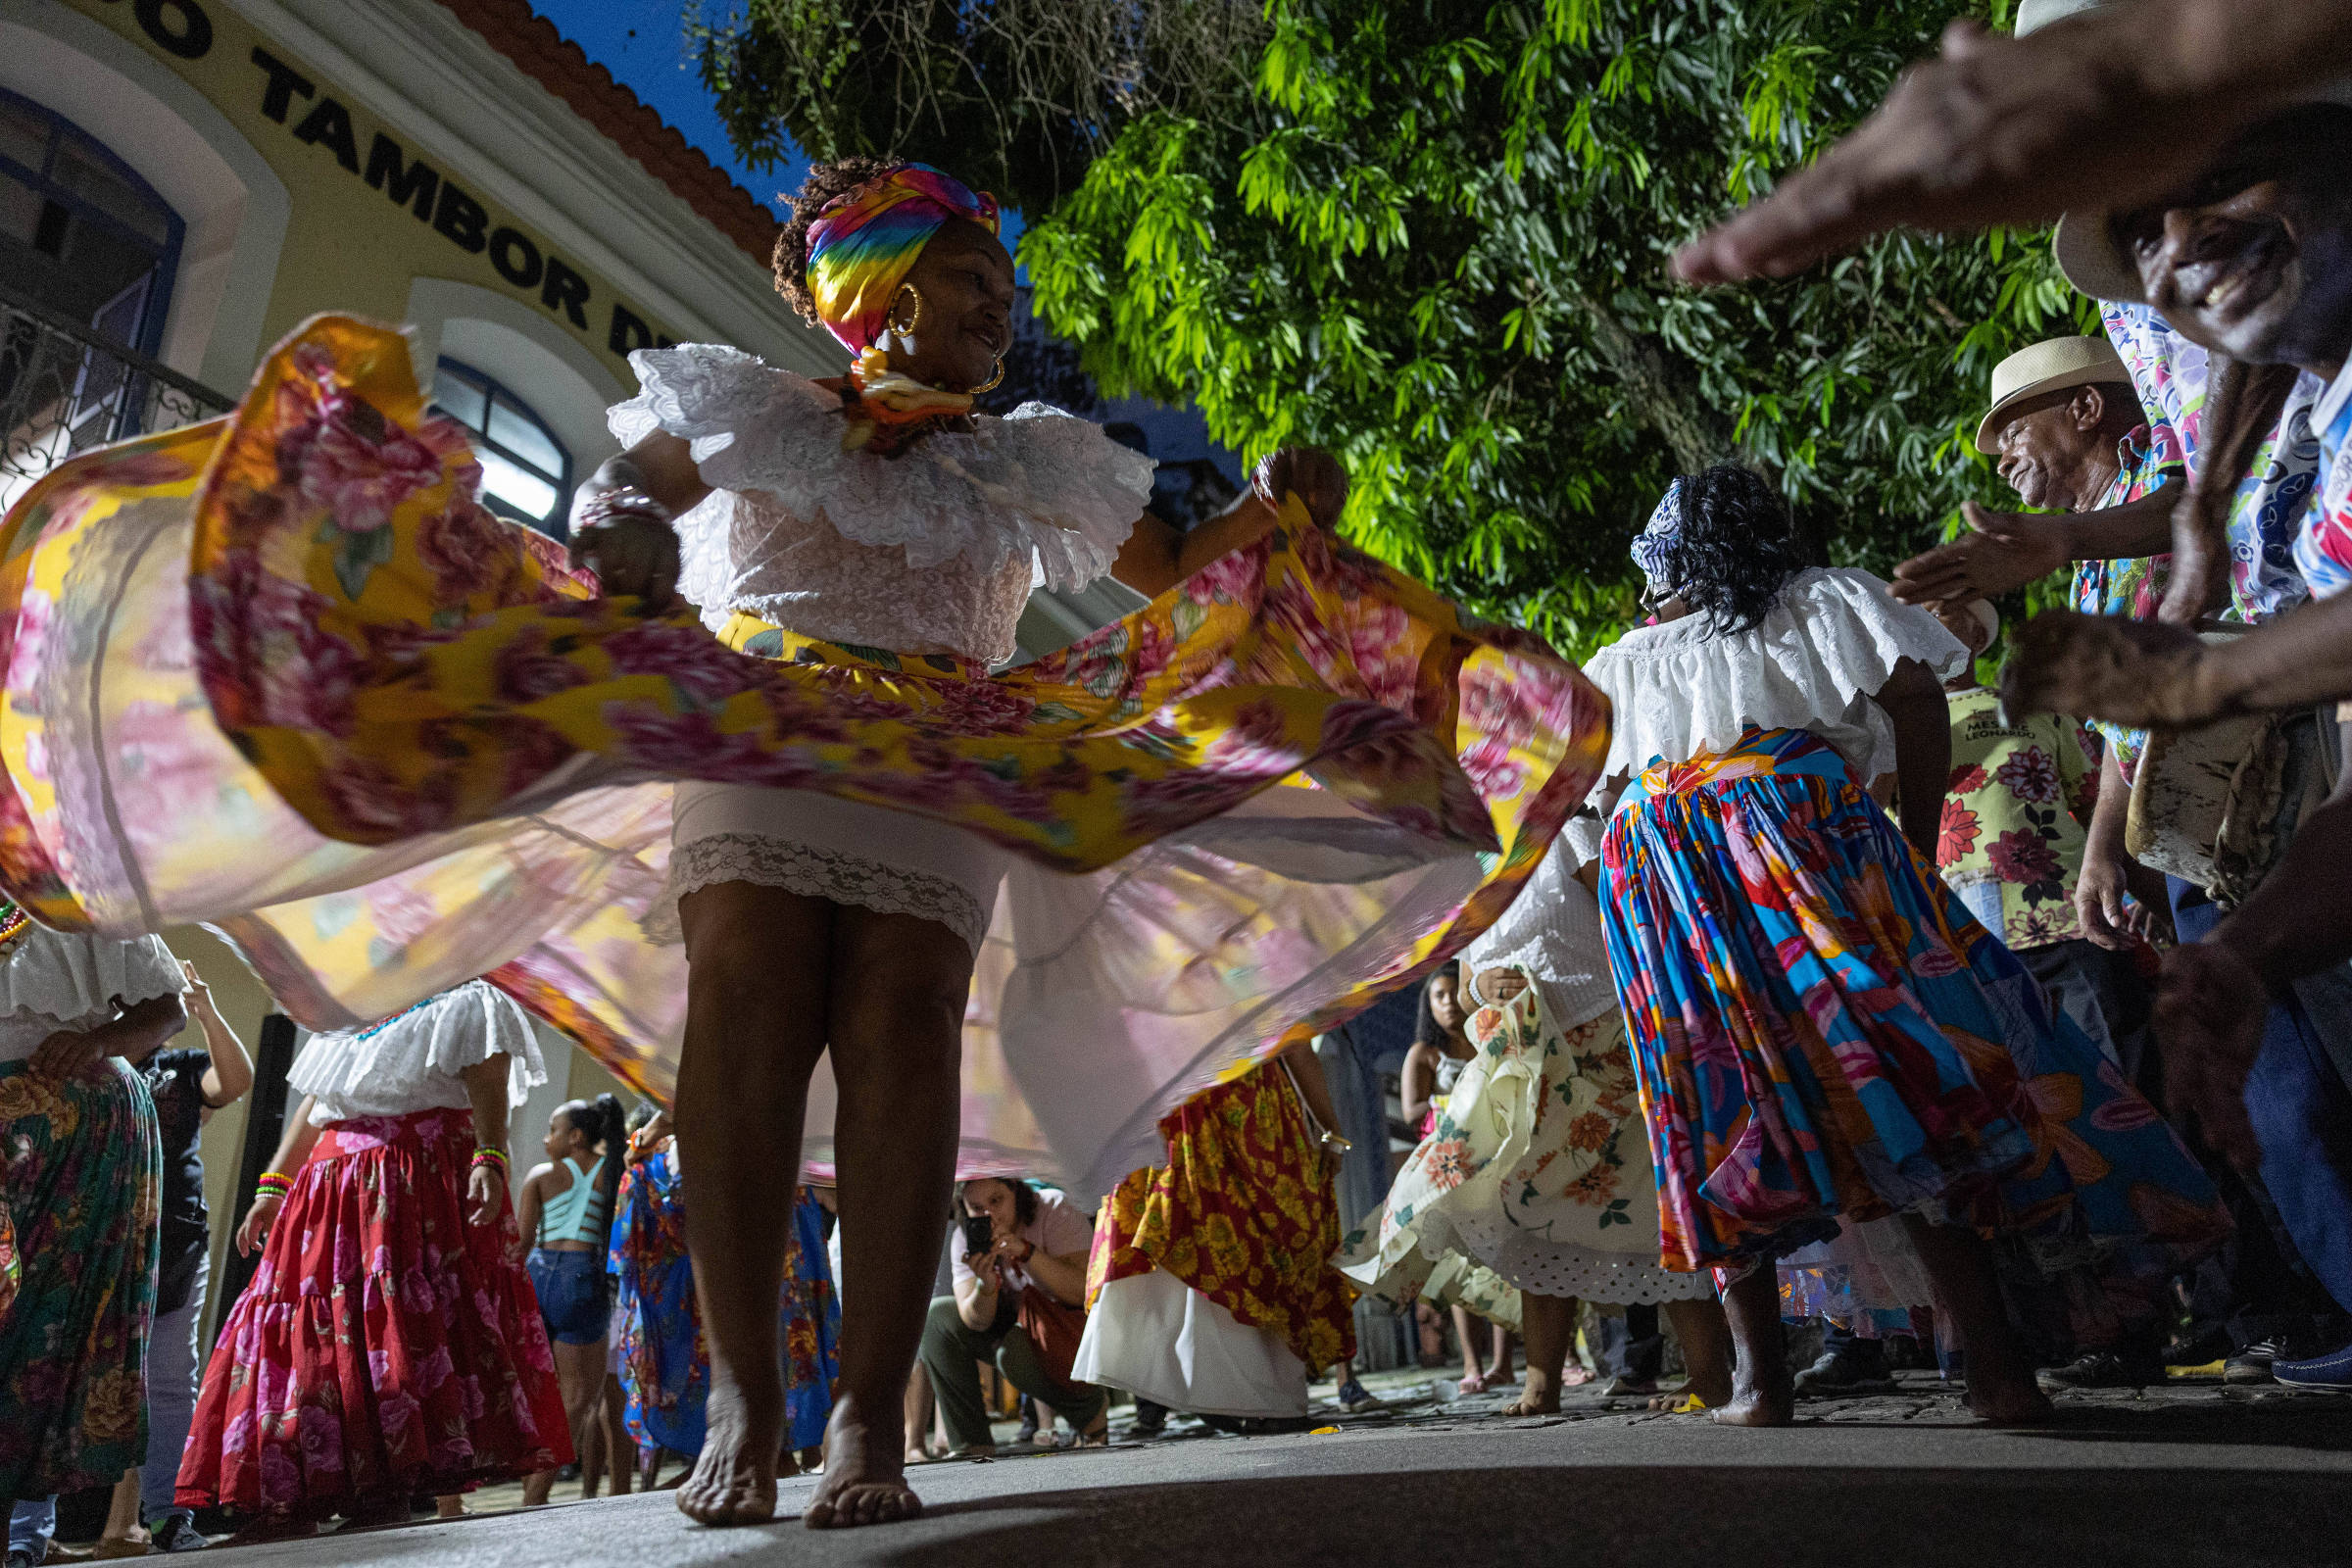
column 178, row 26
column 412, row 183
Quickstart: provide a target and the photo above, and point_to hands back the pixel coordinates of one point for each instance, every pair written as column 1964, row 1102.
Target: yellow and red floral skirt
column 283, row 674
column 1244, row 1212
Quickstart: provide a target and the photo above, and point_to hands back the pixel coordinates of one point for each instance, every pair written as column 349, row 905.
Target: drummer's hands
column 1310, row 473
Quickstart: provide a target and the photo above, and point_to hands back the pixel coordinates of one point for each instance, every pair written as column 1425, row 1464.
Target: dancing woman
column 1211, row 1288
column 1821, row 1032
column 78, row 1205
column 441, row 749
column 1538, row 1168
column 389, row 1344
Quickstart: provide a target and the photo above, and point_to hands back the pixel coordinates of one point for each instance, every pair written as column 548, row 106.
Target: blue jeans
column 2300, row 1108
column 31, row 1526
column 171, row 1370
column 572, row 1303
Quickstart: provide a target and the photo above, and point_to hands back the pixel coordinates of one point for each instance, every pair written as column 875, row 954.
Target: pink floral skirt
column 385, row 1347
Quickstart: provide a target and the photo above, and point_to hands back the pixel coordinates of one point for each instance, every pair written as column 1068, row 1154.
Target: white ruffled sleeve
column 1831, row 641
column 1039, row 484
column 1552, row 931
column 70, row 976
column 412, row 1061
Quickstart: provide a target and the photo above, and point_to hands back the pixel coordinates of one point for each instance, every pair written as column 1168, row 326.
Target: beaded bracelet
column 273, row 1184
column 486, row 1155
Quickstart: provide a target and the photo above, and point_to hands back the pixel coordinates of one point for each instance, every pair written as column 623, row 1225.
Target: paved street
column 2190, row 1474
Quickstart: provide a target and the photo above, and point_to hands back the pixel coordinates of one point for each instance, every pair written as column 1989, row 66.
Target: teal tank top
column 577, row 1213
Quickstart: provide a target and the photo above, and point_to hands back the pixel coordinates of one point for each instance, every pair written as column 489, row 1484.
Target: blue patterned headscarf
column 1651, row 543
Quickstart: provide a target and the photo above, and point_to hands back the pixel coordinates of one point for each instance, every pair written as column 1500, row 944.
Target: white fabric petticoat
column 1158, row 1338
column 824, row 848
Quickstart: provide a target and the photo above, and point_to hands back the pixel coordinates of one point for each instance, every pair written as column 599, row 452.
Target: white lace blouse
column 1553, row 930
column 412, row 1061
column 932, row 551
column 52, row 980
column 1831, row 640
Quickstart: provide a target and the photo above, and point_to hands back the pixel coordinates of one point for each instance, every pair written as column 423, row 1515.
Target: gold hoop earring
column 993, row 381
column 906, row 291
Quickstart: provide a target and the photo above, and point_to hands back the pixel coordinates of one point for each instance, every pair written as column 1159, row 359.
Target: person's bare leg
column 917, row 1413
column 900, row 988
column 1465, row 1334
column 573, row 1373
column 1549, row 1323
column 1498, row 1370
column 619, row 1448
column 1762, row 1392
column 122, row 1513
column 2000, row 1376
column 759, row 961
column 583, row 1396
column 1705, row 1336
column 451, row 1505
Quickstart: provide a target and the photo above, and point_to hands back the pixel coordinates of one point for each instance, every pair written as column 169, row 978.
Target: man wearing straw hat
column 2066, row 428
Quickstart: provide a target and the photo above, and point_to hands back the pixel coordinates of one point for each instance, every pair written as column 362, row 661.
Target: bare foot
column 734, row 1480
column 1541, row 1397
column 864, row 1484
column 1474, row 1383
column 1753, row 1406
column 2005, row 1405
column 1572, row 1376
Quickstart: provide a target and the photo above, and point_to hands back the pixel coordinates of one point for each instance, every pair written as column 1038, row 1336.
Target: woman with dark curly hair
column 829, row 828
column 1821, row 1032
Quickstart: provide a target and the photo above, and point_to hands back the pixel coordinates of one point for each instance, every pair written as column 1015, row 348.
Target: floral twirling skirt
column 85, row 1167
column 1244, row 1212
column 384, row 1347
column 664, row 1361
column 1822, row 1032
column 283, row 672
column 1537, row 1172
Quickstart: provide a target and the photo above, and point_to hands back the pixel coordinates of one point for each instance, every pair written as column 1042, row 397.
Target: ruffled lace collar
column 1038, row 483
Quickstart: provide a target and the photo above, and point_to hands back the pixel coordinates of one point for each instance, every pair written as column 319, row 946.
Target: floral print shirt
column 2324, row 549
column 2014, row 816
column 2170, row 374
column 2144, row 463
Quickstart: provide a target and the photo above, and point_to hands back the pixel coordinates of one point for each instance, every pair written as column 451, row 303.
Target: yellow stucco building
column 184, row 182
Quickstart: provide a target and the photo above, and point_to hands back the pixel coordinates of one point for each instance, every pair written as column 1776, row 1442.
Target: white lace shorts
column 824, row 848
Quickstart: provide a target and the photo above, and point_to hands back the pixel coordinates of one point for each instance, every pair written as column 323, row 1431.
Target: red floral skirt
column 385, row 1347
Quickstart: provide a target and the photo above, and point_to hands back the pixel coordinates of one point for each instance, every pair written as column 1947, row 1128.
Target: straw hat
column 2086, row 254
column 2048, row 367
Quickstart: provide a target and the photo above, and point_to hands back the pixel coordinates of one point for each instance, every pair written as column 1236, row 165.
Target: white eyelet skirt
column 824, row 848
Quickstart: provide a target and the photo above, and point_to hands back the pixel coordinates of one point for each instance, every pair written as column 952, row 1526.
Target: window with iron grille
column 527, row 472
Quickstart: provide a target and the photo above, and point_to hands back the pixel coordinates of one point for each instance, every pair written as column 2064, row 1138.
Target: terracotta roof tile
column 563, row 69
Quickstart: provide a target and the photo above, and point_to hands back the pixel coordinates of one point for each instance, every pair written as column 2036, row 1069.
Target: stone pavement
column 2188, row 1474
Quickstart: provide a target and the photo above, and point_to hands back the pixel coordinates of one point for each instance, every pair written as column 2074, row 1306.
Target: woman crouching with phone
column 1020, row 1285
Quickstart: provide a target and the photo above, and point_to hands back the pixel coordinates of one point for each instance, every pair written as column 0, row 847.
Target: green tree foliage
column 1433, row 236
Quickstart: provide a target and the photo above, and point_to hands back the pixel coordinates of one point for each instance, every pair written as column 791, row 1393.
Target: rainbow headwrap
column 861, row 246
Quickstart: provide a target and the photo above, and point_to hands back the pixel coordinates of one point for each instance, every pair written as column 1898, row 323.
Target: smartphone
column 978, row 1235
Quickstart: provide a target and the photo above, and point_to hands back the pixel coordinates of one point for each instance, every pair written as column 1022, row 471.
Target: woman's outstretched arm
column 1156, row 557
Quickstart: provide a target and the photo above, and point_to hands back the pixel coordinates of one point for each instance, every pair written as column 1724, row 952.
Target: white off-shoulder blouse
column 410, row 1062
column 52, row 980
column 1829, row 643
column 933, row 550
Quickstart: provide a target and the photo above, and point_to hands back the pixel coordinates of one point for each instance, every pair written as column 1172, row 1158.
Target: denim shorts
column 572, row 1295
